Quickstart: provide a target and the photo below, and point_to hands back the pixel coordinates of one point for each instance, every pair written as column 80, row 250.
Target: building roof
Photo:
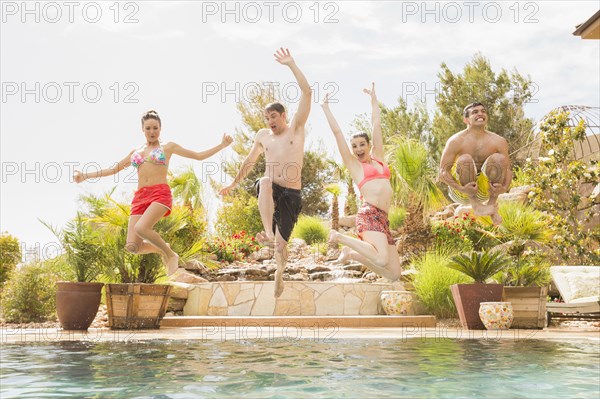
column 590, row 29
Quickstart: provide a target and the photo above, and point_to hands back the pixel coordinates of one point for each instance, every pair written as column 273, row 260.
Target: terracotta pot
column 467, row 298
column 77, row 304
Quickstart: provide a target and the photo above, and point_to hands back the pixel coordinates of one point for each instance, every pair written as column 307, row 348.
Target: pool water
column 413, row 368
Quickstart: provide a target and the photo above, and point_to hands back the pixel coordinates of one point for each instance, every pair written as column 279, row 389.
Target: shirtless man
column 475, row 165
column 279, row 200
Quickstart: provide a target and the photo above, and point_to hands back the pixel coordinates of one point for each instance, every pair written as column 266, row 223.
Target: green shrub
column 397, row 216
column 10, row 255
column 30, row 295
column 432, row 283
column 523, row 222
column 480, row 266
column 311, row 229
column 241, row 214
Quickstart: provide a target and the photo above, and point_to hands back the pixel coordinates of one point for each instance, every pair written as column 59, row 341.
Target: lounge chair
column 579, row 286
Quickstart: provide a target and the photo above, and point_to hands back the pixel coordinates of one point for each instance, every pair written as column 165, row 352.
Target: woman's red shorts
column 145, row 196
column 371, row 218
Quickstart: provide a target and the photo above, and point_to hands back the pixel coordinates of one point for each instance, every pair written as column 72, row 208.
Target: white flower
column 551, row 152
column 528, row 160
column 555, row 187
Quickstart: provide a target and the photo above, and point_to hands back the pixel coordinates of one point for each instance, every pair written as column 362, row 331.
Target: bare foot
column 278, row 283
column 489, row 210
column 333, row 236
column 344, row 257
column 172, row 264
column 265, row 240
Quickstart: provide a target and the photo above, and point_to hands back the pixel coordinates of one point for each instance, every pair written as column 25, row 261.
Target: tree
column 315, row 172
column 564, row 188
column 413, row 182
column 10, row 255
column 398, row 121
column 503, row 94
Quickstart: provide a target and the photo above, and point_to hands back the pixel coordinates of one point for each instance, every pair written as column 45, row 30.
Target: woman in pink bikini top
column 376, row 248
column 153, row 199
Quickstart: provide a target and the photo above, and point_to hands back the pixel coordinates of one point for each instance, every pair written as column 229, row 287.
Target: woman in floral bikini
column 153, row 199
column 375, row 249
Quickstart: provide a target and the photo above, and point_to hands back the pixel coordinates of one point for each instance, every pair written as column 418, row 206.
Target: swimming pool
column 345, row 368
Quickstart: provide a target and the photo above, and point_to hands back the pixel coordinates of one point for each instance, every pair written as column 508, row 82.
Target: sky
column 77, row 76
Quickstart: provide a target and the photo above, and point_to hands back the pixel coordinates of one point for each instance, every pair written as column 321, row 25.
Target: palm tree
column 187, row 189
column 335, row 190
column 413, row 182
column 340, row 172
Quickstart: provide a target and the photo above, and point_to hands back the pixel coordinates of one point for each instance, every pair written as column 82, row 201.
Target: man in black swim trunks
column 278, row 191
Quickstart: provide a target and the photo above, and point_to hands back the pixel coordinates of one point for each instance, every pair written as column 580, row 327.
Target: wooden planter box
column 529, row 306
column 136, row 306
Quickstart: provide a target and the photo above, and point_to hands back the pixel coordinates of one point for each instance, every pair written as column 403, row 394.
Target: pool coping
column 325, row 334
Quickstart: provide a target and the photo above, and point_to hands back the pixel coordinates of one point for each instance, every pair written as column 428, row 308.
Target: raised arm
column 226, row 140
column 377, row 149
column 283, row 57
column 79, row 176
column 247, row 165
column 347, row 157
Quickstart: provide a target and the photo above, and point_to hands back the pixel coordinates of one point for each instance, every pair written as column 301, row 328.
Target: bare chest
column 285, row 147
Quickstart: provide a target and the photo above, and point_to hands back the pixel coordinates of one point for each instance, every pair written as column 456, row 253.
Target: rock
column 521, row 189
column 179, row 290
column 297, row 242
column 182, row 276
column 299, row 277
column 513, row 197
column 463, row 209
column 263, row 254
column 321, row 276
column 370, row 277
column 332, row 254
column 226, row 277
column 196, row 265
column 176, row 304
column 347, row 221
column 354, row 266
column 318, row 269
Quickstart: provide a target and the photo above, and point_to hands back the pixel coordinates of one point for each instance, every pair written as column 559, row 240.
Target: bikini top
column 156, row 156
column 372, row 173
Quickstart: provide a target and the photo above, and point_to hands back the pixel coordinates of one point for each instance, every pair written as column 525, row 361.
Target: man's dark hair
column 278, row 107
column 472, row 105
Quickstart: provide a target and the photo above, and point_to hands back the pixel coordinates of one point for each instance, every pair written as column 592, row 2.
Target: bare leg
column 392, row 270
column 266, row 208
column 281, row 256
column 373, row 252
column 143, row 228
column 135, row 244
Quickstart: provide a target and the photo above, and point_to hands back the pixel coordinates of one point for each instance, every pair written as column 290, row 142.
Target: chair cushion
column 586, row 299
column 576, row 282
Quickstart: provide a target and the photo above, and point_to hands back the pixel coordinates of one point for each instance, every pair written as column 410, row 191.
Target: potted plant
column 133, row 300
column 524, row 232
column 525, row 282
column 480, row 266
column 77, row 302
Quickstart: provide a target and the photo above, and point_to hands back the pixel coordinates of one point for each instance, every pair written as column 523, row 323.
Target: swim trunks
column 371, row 218
column 482, row 187
column 288, row 204
column 145, row 196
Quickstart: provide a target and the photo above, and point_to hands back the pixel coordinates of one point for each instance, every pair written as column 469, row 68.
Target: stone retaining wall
column 299, row 298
